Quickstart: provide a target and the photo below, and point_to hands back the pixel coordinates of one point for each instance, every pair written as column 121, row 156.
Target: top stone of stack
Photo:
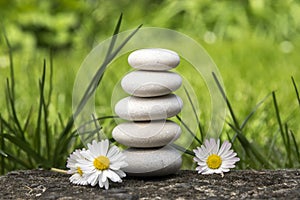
column 153, row 59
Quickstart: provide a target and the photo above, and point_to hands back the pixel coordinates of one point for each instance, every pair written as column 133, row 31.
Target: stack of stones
column 148, row 132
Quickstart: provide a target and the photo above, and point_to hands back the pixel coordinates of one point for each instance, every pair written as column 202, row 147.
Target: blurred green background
column 254, row 43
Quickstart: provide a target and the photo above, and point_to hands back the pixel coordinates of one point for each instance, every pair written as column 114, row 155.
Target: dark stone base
column 42, row 184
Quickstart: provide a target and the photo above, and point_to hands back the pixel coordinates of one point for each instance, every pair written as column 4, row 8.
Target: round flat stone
column 153, row 59
column 150, row 108
column 150, row 83
column 146, row 134
column 152, row 162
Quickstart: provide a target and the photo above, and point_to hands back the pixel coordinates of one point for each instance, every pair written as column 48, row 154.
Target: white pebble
column 146, row 134
column 150, row 83
column 150, row 108
column 152, row 162
column 153, row 59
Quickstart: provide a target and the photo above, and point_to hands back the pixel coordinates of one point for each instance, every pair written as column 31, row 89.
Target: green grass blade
column 45, row 112
column 97, row 127
column 271, row 149
column 17, row 160
column 38, row 137
column 27, row 120
column 116, row 31
column 235, row 121
column 6, row 125
column 90, row 90
column 2, row 149
column 296, row 90
column 288, row 145
column 50, row 80
column 61, row 121
column 99, row 74
column 12, row 74
column 114, row 37
column 234, row 129
column 95, row 81
column 46, row 130
column 229, row 138
column 62, row 137
column 91, row 133
column 21, row 144
column 279, row 119
column 239, row 134
column 179, row 148
column 296, row 146
column 195, row 114
column 43, row 115
column 250, row 148
column 59, row 159
column 113, row 42
column 253, row 111
column 13, row 109
column 92, row 121
column 3, row 154
column 188, row 129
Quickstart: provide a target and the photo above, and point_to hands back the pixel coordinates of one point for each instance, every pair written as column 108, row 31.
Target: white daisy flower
column 213, row 159
column 102, row 163
column 72, row 163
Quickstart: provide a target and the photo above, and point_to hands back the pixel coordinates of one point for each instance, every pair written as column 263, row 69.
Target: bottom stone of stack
column 152, row 162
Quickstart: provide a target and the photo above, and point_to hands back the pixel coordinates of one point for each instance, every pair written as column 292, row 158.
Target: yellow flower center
column 214, row 161
column 101, row 163
column 79, row 171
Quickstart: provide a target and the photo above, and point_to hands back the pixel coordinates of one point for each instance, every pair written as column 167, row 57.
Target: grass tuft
column 45, row 148
column 250, row 149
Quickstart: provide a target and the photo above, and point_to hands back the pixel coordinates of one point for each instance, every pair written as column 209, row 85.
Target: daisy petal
column 112, row 151
column 104, row 147
column 120, row 173
column 106, row 184
column 211, row 158
column 97, row 165
column 113, row 176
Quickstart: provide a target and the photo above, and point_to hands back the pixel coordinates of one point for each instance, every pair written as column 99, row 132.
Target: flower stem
column 59, row 170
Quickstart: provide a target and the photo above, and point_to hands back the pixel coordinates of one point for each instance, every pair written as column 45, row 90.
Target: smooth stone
column 152, row 162
column 146, row 134
column 150, row 83
column 153, row 59
column 150, row 108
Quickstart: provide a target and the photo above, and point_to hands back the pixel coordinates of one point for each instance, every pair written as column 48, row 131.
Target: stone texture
column 149, row 83
column 153, row 59
column 237, row 184
column 146, row 134
column 151, row 108
column 152, row 162
column 150, row 87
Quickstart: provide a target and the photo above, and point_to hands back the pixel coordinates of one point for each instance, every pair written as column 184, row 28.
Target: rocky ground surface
column 42, row 184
